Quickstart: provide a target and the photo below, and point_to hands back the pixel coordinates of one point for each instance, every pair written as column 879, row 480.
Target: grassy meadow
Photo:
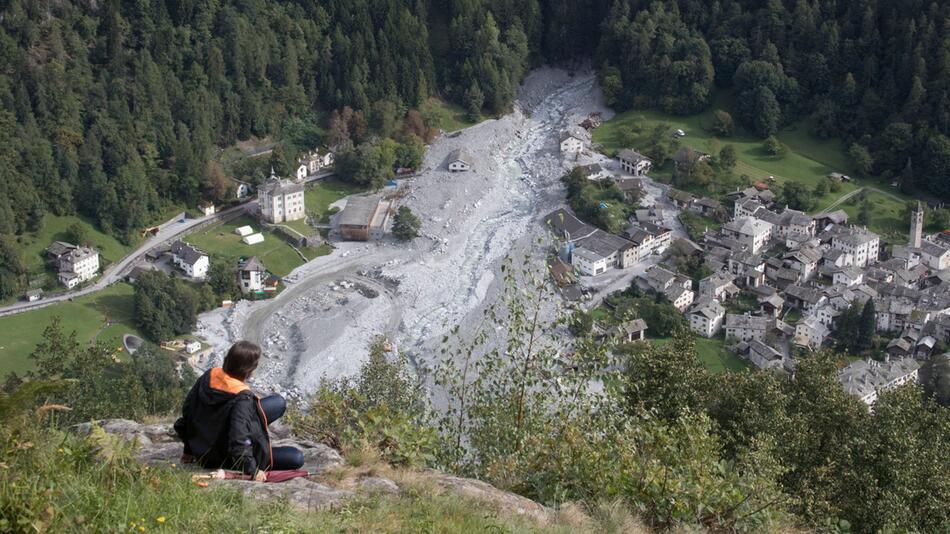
column 809, row 161
column 104, row 316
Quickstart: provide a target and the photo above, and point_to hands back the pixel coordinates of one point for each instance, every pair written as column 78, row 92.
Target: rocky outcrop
column 159, row 445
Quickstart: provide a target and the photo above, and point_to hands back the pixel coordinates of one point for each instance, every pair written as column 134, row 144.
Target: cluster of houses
column 592, row 251
column 791, row 275
column 804, row 272
column 313, row 162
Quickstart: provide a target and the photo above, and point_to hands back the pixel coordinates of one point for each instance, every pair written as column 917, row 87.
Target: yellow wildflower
column 160, row 519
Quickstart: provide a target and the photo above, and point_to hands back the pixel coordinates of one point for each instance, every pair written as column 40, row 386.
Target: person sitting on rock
column 223, row 423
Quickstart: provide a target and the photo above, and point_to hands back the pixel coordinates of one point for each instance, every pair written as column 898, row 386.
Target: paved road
column 118, row 270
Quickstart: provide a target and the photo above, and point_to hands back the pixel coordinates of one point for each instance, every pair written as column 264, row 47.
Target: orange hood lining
column 222, row 381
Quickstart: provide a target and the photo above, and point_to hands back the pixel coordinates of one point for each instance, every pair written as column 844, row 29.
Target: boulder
column 300, row 492
column 158, row 444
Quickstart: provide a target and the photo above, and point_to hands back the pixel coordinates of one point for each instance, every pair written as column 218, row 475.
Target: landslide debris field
column 414, row 293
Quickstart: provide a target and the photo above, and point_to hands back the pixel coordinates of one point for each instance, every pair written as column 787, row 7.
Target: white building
column 190, row 260
column 75, row 264
column 866, row 379
column 848, row 276
column 634, row 162
column 590, row 263
column 281, row 200
column 598, row 251
column 706, row 318
column 935, row 256
column 811, row 333
column 251, row 275
column 681, row 297
column 459, row 160
column 861, row 244
column 571, row 143
column 313, row 161
column 753, row 233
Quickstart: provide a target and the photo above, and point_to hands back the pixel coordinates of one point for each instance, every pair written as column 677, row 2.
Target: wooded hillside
column 111, row 109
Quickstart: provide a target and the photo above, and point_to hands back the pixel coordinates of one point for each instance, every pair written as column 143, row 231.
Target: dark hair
column 242, row 359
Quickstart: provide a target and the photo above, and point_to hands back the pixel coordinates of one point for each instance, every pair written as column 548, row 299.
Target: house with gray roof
column 459, row 160
column 634, row 162
column 706, row 317
column 867, row 379
column 192, row 262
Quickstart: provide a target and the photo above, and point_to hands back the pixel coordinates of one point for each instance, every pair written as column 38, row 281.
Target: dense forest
column 112, row 109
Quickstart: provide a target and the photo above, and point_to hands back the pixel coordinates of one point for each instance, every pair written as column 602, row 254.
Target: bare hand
column 260, row 476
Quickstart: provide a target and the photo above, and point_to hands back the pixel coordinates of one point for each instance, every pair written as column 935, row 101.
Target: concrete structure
column 459, row 160
column 866, row 379
column 363, row 218
column 281, row 201
column 634, row 162
column 251, row 275
column 706, row 318
column 190, row 260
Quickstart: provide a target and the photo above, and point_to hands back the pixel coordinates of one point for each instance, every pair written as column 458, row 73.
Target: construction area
column 414, row 293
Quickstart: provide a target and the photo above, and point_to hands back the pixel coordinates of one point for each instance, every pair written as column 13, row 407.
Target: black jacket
column 222, row 424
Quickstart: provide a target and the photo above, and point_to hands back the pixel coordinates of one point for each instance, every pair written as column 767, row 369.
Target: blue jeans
column 284, row 458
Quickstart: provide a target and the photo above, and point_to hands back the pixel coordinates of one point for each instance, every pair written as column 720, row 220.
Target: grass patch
column 712, row 352
column 34, row 244
column 887, row 215
column 223, row 244
column 449, row 117
column 300, row 226
column 320, row 195
column 103, row 316
column 809, row 161
column 58, row 482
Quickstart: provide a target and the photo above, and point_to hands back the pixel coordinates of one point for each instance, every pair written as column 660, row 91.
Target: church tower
column 916, row 226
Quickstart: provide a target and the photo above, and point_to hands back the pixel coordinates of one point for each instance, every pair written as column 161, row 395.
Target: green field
column 713, row 354
column 54, row 227
column 222, row 244
column 449, row 117
column 809, row 161
column 887, row 215
column 320, row 195
column 103, row 316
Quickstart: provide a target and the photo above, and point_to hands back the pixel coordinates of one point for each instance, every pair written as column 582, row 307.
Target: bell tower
column 916, row 226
